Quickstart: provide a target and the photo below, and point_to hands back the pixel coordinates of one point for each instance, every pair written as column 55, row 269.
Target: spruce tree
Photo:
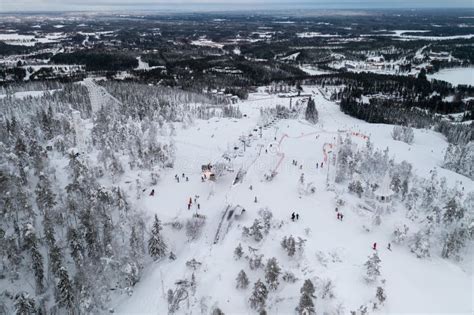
column 55, row 259
column 372, row 267
column 259, row 296
column 311, row 113
column 24, row 305
column 156, row 244
column 238, row 252
column 306, row 304
column 65, row 296
column 272, row 272
column 242, row 280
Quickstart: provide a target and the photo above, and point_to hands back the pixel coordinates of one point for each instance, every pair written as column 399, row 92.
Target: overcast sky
column 179, row 5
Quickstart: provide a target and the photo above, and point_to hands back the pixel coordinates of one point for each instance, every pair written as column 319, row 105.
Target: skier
column 187, row 179
column 293, row 217
column 301, row 166
column 189, row 206
column 338, row 215
column 297, row 216
column 250, row 187
column 337, row 210
column 389, row 247
column 341, row 216
column 199, row 206
column 255, row 200
column 374, row 247
column 321, row 164
column 152, row 192
column 183, row 175
column 190, row 200
column 317, row 165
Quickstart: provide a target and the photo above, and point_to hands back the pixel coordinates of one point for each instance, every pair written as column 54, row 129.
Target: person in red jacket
column 374, row 247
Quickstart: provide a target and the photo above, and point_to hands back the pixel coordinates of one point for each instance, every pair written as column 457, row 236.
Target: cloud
column 86, row 5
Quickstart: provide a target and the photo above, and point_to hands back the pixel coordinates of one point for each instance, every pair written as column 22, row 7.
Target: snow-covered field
column 455, row 76
column 30, row 40
column 335, row 250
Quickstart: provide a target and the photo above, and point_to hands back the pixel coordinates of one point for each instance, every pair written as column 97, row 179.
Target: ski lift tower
column 331, row 173
column 384, row 192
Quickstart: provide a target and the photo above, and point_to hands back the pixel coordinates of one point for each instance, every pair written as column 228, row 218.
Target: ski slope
column 412, row 285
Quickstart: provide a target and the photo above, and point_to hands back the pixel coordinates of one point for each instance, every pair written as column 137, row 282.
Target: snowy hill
column 335, row 251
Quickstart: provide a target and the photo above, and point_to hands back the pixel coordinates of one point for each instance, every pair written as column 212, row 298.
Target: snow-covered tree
column 255, row 261
column 259, row 296
column 255, row 231
column 327, row 289
column 454, row 241
column 372, row 266
column 292, row 246
column 311, row 113
column 55, row 259
column 156, row 244
column 24, row 304
column 242, row 280
column 420, row 244
column 399, row 235
column 306, row 304
column 272, row 273
column 453, row 211
column 380, row 295
column 289, row 245
column 194, row 227
column 65, row 296
column 238, row 252
column 402, row 133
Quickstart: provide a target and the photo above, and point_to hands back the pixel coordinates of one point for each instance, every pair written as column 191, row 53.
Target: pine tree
column 24, row 305
column 272, row 272
column 65, row 296
column 373, row 267
column 156, row 245
column 259, row 296
column 306, row 304
column 242, row 280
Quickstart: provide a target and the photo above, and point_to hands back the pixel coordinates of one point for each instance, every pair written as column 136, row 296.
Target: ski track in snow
column 413, row 285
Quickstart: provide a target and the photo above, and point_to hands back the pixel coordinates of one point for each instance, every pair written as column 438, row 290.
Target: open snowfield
column 455, row 76
column 412, row 285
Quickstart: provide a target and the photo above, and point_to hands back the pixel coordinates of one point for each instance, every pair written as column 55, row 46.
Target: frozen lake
column 455, row 76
